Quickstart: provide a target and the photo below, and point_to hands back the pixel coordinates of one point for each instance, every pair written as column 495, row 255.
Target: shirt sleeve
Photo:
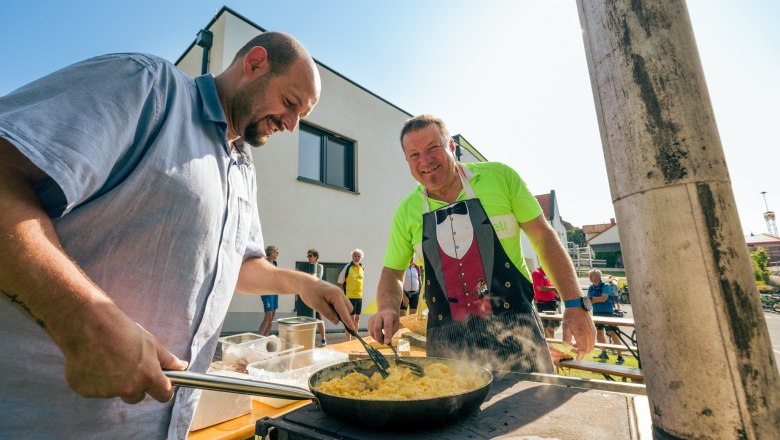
column 343, row 275
column 524, row 205
column 82, row 124
column 255, row 246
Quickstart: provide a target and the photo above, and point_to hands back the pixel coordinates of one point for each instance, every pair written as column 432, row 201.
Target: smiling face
column 266, row 102
column 430, row 157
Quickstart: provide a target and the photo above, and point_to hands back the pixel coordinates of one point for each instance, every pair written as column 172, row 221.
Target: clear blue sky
column 510, row 76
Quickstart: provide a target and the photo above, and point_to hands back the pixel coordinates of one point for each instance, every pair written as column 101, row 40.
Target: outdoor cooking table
column 243, row 427
column 558, row 407
column 518, row 406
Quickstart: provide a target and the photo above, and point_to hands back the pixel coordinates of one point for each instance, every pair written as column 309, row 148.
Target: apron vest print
column 479, row 303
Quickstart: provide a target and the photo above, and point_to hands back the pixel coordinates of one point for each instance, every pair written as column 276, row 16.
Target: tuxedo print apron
column 479, row 303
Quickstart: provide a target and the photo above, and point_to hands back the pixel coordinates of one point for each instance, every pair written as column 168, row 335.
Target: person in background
column 613, row 284
column 465, row 221
column 411, row 297
column 270, row 302
column 547, row 300
column 129, row 218
column 317, row 270
column 351, row 282
column 600, row 295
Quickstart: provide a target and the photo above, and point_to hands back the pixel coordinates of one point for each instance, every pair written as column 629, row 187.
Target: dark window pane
column 335, row 163
column 309, row 155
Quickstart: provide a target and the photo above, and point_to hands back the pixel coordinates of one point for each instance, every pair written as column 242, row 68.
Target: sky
column 508, row 75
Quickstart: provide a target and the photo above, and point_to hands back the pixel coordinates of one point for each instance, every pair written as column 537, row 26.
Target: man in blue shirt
column 600, row 295
column 129, row 218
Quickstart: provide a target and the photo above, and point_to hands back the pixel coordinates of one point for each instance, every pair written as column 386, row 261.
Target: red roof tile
column 545, row 201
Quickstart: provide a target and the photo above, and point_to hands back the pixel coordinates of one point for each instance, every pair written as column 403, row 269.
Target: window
column 326, row 158
column 331, row 272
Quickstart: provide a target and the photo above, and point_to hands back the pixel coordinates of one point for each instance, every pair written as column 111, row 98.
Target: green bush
column 759, row 258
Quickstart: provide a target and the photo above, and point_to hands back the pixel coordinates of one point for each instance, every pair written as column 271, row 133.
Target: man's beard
column 252, row 136
column 242, row 106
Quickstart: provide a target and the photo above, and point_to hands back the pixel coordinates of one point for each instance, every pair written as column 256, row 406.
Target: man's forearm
column 259, row 277
column 390, row 289
column 36, row 275
column 556, row 262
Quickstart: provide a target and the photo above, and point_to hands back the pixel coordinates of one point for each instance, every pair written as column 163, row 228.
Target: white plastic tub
column 240, row 350
column 292, row 369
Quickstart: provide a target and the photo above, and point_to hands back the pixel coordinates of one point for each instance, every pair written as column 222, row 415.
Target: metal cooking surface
column 512, row 408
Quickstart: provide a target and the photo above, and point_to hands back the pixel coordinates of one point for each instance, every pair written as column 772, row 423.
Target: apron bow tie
column 458, row 208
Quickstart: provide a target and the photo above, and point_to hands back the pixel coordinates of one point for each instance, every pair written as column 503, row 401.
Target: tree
column 760, row 258
column 576, row 236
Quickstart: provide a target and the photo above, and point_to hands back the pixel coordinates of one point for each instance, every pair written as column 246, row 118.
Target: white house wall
column 609, row 236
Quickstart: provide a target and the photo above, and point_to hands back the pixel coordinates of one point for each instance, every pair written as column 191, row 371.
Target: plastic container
column 298, row 330
column 292, row 369
column 240, row 350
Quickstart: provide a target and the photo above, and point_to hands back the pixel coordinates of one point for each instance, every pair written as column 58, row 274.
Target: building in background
column 332, row 185
column 771, row 243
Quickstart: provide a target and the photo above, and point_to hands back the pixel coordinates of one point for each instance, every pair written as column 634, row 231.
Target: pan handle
column 191, row 379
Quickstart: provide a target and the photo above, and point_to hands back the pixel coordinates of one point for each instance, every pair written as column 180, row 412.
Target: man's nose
column 290, row 121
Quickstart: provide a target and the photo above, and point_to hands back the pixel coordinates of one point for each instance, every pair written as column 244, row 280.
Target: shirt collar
column 212, row 108
column 213, row 111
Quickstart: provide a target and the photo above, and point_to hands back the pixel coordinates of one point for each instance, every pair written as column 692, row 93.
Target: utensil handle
column 191, row 379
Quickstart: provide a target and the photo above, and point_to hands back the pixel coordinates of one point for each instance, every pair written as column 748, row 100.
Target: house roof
column 545, row 201
column 596, row 229
column 607, row 236
column 759, row 239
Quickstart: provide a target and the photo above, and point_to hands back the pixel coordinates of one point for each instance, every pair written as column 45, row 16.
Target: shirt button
column 507, row 284
column 428, row 282
column 433, row 299
column 507, row 265
column 506, row 305
column 440, row 317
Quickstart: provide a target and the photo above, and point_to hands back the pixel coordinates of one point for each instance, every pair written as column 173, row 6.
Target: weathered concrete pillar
column 706, row 354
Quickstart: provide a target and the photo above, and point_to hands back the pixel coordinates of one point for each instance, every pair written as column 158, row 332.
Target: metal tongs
column 379, row 359
column 416, row 369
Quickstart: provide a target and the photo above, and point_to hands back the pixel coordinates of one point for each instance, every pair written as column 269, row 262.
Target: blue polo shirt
column 148, row 198
column 598, row 290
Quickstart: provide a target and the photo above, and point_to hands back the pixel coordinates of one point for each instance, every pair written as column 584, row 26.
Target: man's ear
column 256, row 62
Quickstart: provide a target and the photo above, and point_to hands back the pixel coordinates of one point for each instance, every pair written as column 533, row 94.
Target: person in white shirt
column 411, row 296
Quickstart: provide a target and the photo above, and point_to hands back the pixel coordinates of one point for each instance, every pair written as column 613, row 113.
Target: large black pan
column 408, row 413
column 369, row 413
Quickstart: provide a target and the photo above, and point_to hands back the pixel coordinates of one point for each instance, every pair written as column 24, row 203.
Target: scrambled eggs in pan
column 401, row 384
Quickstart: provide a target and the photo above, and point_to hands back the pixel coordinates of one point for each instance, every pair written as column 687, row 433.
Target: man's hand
column 578, row 323
column 107, row 354
column 330, row 301
column 383, row 325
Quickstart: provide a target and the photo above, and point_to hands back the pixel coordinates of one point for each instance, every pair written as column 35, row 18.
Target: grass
column 630, row 361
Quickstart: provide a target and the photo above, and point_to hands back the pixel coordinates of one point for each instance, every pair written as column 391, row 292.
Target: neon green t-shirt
column 504, row 196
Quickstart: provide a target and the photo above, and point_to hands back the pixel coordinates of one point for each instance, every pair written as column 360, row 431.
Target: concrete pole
column 706, row 354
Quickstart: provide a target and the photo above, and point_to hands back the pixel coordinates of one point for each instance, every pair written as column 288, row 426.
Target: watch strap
column 576, row 302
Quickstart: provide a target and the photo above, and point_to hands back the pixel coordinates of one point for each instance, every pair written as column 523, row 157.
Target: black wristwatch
column 582, row 302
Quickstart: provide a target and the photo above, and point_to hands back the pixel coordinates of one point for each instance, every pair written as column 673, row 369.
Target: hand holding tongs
column 379, row 359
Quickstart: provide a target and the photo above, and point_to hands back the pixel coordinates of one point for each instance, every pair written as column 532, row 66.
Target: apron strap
column 463, row 181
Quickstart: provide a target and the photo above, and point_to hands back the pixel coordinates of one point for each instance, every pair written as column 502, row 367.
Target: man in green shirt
column 465, row 220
